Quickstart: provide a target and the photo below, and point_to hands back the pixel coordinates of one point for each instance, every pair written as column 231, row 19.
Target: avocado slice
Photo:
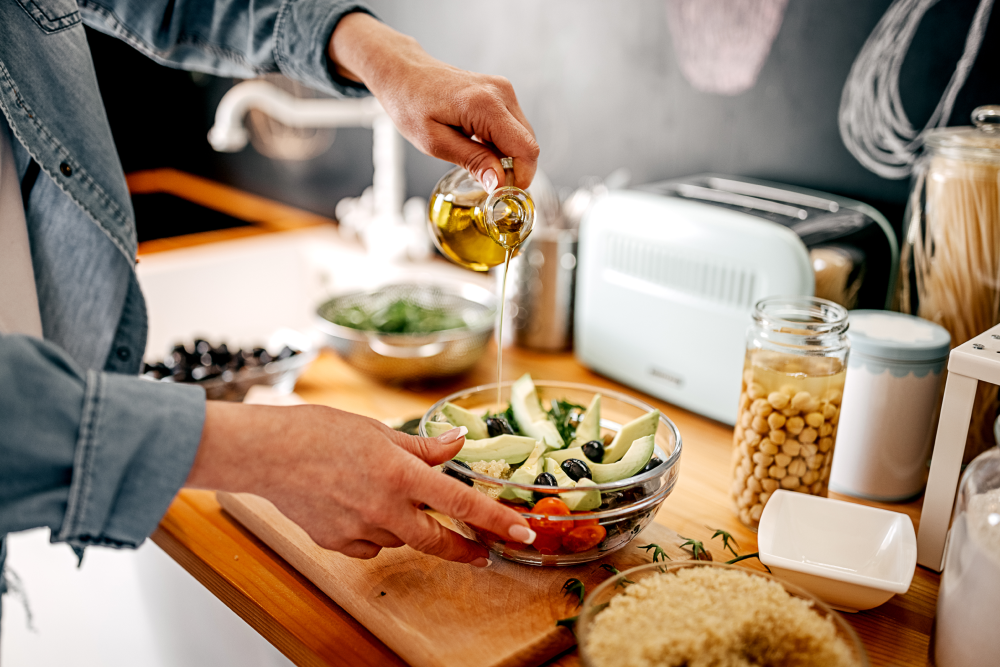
column 639, row 427
column 560, row 455
column 635, row 459
column 434, row 429
column 577, row 501
column 526, row 474
column 511, row 448
column 462, row 417
column 583, row 500
column 530, row 416
column 590, row 426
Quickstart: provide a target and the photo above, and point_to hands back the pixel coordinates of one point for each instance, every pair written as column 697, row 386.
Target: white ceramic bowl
column 850, row 556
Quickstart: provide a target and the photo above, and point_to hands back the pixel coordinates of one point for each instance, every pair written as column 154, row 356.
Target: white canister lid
column 896, row 337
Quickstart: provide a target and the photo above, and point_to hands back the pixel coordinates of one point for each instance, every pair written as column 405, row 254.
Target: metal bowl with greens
column 407, row 332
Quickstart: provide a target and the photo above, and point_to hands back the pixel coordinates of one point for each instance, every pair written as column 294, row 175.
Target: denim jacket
column 97, row 454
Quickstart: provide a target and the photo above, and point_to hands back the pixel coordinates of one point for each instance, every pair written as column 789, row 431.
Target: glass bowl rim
column 585, row 618
column 667, row 465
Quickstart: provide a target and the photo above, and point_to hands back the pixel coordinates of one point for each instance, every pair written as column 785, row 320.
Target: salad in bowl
column 588, row 467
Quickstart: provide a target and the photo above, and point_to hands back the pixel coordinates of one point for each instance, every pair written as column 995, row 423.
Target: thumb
column 434, row 451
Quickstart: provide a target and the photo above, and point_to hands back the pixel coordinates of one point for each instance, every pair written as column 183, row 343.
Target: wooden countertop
column 305, row 625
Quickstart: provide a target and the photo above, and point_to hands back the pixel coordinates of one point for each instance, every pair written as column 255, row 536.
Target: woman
column 86, row 447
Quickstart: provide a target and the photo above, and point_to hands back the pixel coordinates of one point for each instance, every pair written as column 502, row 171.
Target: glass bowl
column 599, row 598
column 627, row 505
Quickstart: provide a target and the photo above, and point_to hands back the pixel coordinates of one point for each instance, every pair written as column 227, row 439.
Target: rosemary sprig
column 755, row 554
column 568, row 623
column 726, row 539
column 614, row 570
column 698, row 551
column 658, row 552
column 575, row 587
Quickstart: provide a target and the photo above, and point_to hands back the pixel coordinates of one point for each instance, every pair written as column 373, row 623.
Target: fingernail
column 451, row 436
column 522, row 534
column 490, row 181
column 480, row 562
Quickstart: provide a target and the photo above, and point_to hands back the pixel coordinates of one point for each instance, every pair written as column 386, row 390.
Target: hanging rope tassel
column 873, row 123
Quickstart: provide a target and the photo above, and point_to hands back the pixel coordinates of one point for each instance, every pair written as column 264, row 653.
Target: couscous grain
column 709, row 617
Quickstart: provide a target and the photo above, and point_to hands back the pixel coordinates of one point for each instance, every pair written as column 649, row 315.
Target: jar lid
column 895, row 336
column 981, row 141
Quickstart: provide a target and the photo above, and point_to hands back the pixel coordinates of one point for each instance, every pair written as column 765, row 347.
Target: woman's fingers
column 423, row 533
column 451, row 497
column 502, row 135
column 433, row 451
column 360, row 549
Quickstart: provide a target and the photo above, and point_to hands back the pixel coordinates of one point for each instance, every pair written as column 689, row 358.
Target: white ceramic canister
column 890, row 399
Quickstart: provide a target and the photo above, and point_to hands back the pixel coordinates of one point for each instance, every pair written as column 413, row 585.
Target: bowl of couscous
column 700, row 613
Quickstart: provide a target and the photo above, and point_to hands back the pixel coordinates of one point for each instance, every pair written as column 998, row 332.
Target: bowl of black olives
column 589, row 472
column 226, row 372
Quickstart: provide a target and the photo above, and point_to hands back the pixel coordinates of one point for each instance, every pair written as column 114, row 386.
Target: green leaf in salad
column 400, row 316
column 566, row 416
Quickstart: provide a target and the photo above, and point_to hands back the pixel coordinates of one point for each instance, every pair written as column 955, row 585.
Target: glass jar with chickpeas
column 793, row 385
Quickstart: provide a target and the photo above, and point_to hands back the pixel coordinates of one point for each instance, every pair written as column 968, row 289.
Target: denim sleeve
column 96, row 457
column 239, row 38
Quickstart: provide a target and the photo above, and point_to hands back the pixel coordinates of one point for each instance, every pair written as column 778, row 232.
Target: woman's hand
column 439, row 108
column 352, row 483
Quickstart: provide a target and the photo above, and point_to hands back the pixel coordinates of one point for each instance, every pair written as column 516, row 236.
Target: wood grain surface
column 434, row 613
column 306, row 625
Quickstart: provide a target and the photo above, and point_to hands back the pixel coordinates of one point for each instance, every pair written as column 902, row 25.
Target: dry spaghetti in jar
column 792, row 390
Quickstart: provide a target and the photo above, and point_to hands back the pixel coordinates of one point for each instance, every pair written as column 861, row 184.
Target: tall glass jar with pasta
column 950, row 262
column 793, row 385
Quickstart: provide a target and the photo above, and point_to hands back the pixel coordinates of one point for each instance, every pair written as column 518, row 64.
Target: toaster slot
column 776, row 194
column 738, row 200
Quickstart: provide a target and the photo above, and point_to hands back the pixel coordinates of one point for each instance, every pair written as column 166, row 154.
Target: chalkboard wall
column 600, row 82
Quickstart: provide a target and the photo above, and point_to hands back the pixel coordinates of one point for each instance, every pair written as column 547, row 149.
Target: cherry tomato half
column 548, row 544
column 583, row 538
column 585, row 522
column 551, row 507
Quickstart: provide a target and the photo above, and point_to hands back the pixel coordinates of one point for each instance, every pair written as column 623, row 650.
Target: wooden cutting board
column 435, row 613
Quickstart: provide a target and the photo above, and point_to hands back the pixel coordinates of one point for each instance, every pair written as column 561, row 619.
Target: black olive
column 594, row 450
column 498, row 426
column 220, row 355
column 286, row 352
column 205, row 373
column 545, row 479
column 457, row 475
column 653, row 462
column 201, row 346
column 576, row 469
